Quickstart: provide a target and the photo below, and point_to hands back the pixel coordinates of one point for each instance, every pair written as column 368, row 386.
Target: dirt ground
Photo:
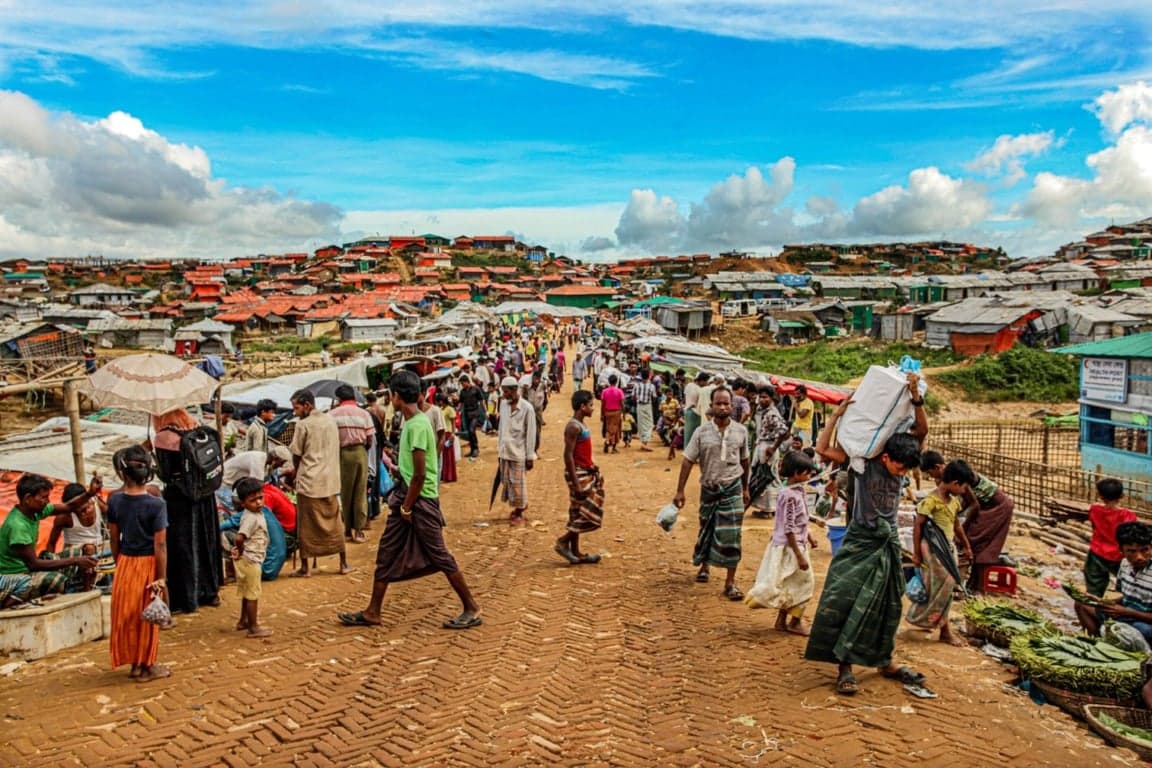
column 625, row 663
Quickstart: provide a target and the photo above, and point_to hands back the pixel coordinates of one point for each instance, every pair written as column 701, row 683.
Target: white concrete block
column 63, row 622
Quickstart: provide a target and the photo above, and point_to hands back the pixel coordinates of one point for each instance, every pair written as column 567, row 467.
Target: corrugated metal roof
column 1136, row 346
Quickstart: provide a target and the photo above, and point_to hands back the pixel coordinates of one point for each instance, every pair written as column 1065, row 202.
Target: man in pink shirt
column 611, row 408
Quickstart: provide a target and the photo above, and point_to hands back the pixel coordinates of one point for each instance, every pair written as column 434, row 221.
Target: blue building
column 1115, row 405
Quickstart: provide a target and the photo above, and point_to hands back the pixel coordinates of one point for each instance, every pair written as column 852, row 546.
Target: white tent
column 280, row 389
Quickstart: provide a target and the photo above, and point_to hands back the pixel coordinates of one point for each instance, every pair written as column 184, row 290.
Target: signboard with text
column 1104, row 379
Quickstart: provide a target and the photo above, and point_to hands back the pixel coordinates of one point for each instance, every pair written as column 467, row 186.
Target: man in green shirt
column 412, row 544
column 25, row 575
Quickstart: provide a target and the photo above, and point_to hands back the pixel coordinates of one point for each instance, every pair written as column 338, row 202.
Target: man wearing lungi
column 412, row 544
column 585, row 483
column 861, row 605
column 516, row 446
column 316, row 457
column 720, row 447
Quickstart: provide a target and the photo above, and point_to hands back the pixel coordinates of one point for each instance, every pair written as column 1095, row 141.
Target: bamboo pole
column 72, row 408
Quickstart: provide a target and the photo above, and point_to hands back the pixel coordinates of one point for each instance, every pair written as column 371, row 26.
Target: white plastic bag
column 666, row 517
column 880, row 408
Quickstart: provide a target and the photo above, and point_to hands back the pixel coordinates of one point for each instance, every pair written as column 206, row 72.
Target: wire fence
column 1048, row 444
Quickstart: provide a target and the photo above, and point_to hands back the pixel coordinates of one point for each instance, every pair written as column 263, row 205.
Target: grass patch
column 1021, row 373
column 840, row 362
column 295, row 345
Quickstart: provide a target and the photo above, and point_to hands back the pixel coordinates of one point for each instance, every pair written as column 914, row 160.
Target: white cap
column 509, row 381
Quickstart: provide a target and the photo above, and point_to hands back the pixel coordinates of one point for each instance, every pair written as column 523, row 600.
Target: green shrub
column 1021, row 373
column 837, row 362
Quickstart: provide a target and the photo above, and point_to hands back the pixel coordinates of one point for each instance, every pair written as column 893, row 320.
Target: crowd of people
column 754, row 448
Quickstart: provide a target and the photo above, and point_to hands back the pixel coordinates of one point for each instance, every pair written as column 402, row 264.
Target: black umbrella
column 940, row 547
column 495, row 487
column 327, row 388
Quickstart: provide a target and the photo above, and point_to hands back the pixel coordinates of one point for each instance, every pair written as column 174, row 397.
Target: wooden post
column 1047, row 433
column 72, row 408
column 220, row 417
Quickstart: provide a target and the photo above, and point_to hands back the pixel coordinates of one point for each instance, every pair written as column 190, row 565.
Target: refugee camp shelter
column 1115, row 403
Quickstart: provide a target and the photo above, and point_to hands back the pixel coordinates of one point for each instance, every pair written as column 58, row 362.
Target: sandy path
column 628, row 663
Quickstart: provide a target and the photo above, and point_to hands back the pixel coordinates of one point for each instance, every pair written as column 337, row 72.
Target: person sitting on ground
column 88, row 538
column 1133, row 581
column 1104, row 557
column 24, row 576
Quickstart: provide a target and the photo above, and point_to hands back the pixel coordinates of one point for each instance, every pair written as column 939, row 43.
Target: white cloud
column 1006, row 156
column 933, row 202
column 1120, row 181
column 1129, row 103
column 70, row 187
column 650, row 222
column 135, row 36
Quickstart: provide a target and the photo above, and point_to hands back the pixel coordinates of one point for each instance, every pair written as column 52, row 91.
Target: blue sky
column 665, row 126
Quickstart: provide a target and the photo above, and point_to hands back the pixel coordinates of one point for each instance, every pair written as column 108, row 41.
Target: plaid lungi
column 514, row 476
column 586, row 514
column 721, row 518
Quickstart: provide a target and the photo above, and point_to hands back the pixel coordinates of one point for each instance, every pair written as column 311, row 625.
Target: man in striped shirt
column 644, row 393
column 356, row 434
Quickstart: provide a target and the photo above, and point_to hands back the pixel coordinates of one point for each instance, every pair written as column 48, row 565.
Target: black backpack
column 197, row 470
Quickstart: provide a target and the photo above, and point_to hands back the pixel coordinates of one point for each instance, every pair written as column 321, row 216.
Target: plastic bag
column 915, row 589
column 1125, row 637
column 385, row 481
column 666, row 517
column 156, row 612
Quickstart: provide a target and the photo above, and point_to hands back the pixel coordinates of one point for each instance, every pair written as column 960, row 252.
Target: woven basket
column 995, row 636
column 1073, row 703
column 1138, row 718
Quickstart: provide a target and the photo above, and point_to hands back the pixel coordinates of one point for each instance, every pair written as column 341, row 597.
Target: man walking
column 471, row 413
column 720, row 447
column 693, row 408
column 412, row 544
column 516, row 446
column 356, row 432
column 644, row 393
column 316, row 457
column 579, row 372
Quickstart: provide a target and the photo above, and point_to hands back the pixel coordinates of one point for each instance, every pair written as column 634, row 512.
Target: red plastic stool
column 1000, row 578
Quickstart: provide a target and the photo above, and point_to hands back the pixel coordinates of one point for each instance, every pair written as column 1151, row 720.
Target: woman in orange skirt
column 138, row 523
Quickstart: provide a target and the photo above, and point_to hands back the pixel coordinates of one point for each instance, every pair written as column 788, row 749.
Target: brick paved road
column 628, row 663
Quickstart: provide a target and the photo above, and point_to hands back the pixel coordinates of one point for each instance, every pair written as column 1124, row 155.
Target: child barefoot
column 785, row 580
column 627, row 427
column 248, row 554
column 138, row 527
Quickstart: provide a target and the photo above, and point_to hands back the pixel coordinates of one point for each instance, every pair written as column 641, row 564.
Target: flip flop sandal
column 355, row 620
column 846, row 684
column 463, row 622
column 905, row 675
column 733, row 593
column 588, row 559
column 567, row 554
column 702, row 578
column 920, row 691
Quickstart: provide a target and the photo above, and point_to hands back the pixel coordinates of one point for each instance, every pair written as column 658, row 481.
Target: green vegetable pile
column 1132, row 732
column 997, row 617
column 1086, row 665
column 1080, row 595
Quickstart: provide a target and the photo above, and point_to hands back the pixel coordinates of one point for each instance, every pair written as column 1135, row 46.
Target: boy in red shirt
column 1104, row 555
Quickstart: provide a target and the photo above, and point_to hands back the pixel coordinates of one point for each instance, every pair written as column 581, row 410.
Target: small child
column 785, row 581
column 675, row 437
column 248, row 554
column 88, row 538
column 1104, row 556
column 627, row 427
